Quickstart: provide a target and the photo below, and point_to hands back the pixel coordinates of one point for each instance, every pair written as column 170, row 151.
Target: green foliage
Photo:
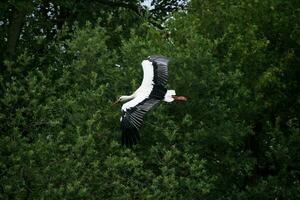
column 237, row 136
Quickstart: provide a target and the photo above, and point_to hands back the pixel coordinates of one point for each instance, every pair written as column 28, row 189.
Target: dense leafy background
column 237, row 137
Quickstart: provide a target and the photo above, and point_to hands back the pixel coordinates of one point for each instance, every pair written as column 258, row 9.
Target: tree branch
column 16, row 21
column 134, row 7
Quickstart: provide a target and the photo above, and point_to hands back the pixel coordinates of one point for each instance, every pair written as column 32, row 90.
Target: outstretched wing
column 160, row 68
column 132, row 120
column 155, row 74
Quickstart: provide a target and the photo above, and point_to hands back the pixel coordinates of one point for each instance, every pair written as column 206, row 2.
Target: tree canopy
column 63, row 63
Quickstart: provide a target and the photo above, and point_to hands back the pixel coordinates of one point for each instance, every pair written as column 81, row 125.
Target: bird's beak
column 116, row 102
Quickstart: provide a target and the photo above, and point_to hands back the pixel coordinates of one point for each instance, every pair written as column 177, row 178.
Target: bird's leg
column 179, row 98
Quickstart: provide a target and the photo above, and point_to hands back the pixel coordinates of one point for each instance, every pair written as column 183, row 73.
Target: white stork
column 150, row 93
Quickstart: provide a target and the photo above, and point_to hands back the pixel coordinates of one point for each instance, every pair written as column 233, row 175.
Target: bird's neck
column 128, row 98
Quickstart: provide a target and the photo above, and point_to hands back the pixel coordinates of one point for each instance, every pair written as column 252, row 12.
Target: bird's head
column 122, row 99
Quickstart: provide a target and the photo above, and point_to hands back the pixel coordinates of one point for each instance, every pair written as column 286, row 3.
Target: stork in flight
column 150, row 93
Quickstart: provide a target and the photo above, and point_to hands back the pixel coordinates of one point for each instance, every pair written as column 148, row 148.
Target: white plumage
column 146, row 87
column 169, row 96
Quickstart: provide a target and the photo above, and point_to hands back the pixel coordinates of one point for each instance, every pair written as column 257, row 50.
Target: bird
column 150, row 93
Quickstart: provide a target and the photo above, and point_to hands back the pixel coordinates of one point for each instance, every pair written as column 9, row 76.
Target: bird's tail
column 169, row 96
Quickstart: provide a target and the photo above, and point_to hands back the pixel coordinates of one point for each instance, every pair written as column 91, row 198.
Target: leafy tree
column 31, row 25
column 237, row 137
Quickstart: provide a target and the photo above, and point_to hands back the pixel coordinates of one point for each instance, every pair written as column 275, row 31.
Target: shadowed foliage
column 237, row 136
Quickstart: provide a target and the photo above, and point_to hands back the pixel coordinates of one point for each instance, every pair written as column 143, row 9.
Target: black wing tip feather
column 159, row 58
column 130, row 137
